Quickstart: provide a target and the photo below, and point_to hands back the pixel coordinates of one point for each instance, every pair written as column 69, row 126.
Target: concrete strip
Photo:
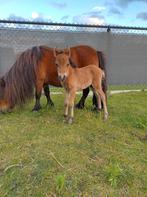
column 109, row 92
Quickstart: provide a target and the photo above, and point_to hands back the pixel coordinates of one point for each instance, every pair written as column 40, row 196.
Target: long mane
column 20, row 79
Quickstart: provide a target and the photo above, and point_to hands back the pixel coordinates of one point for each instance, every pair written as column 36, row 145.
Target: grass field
column 40, row 156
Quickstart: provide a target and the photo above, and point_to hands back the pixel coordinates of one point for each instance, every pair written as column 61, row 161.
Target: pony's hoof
column 4, row 111
column 95, row 108
column 50, row 103
column 79, row 106
column 36, row 109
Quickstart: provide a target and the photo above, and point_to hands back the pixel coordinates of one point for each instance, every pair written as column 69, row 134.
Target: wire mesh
column 124, row 47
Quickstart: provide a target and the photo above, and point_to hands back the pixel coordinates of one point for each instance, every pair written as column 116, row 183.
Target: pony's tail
column 20, row 79
column 103, row 75
column 101, row 60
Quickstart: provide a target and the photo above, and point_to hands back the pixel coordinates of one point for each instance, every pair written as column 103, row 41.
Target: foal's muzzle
column 62, row 77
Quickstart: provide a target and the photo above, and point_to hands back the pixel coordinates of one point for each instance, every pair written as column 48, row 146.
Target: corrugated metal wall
column 125, row 53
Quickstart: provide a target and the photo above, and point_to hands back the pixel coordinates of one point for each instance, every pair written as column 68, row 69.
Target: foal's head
column 62, row 61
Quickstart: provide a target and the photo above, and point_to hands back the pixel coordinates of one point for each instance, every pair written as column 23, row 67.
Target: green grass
column 41, row 156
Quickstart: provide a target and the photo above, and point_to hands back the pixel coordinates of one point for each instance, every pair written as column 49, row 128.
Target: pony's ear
column 68, row 52
column 2, row 82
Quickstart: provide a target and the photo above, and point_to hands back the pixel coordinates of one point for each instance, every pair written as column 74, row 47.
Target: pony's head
column 2, row 88
column 62, row 61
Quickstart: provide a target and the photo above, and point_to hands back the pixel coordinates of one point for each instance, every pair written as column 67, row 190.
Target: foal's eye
column 56, row 64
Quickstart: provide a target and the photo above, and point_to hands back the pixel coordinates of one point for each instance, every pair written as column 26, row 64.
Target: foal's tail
column 101, row 60
column 20, row 79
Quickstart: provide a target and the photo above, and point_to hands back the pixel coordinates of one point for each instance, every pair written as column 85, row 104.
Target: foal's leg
column 103, row 97
column 66, row 105
column 80, row 104
column 99, row 102
column 94, row 100
column 71, row 99
column 47, row 94
column 38, row 91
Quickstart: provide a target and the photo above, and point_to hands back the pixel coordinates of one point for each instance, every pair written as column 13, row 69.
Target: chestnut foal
column 74, row 79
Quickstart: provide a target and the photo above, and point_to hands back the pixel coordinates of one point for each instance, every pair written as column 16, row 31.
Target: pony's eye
column 56, row 64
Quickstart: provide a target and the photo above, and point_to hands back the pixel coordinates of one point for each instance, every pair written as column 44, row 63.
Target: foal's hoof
column 70, row 121
column 79, row 106
column 65, row 118
column 95, row 108
column 105, row 116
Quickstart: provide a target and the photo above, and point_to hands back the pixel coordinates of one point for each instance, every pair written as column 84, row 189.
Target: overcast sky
column 112, row 12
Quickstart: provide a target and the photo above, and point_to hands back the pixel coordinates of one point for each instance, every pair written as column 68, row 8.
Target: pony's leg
column 38, row 92
column 94, row 102
column 37, row 105
column 104, row 87
column 97, row 105
column 72, row 95
column 47, row 94
column 96, row 99
column 80, row 104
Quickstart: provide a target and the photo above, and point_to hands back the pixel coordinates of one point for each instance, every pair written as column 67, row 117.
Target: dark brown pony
column 35, row 67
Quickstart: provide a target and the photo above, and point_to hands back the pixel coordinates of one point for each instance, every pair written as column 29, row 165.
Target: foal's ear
column 2, row 82
column 68, row 52
column 55, row 52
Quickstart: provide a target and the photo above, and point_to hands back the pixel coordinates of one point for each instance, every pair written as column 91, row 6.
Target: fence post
column 108, row 54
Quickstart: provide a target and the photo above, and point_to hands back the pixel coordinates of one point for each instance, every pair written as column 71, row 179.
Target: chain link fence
column 125, row 48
